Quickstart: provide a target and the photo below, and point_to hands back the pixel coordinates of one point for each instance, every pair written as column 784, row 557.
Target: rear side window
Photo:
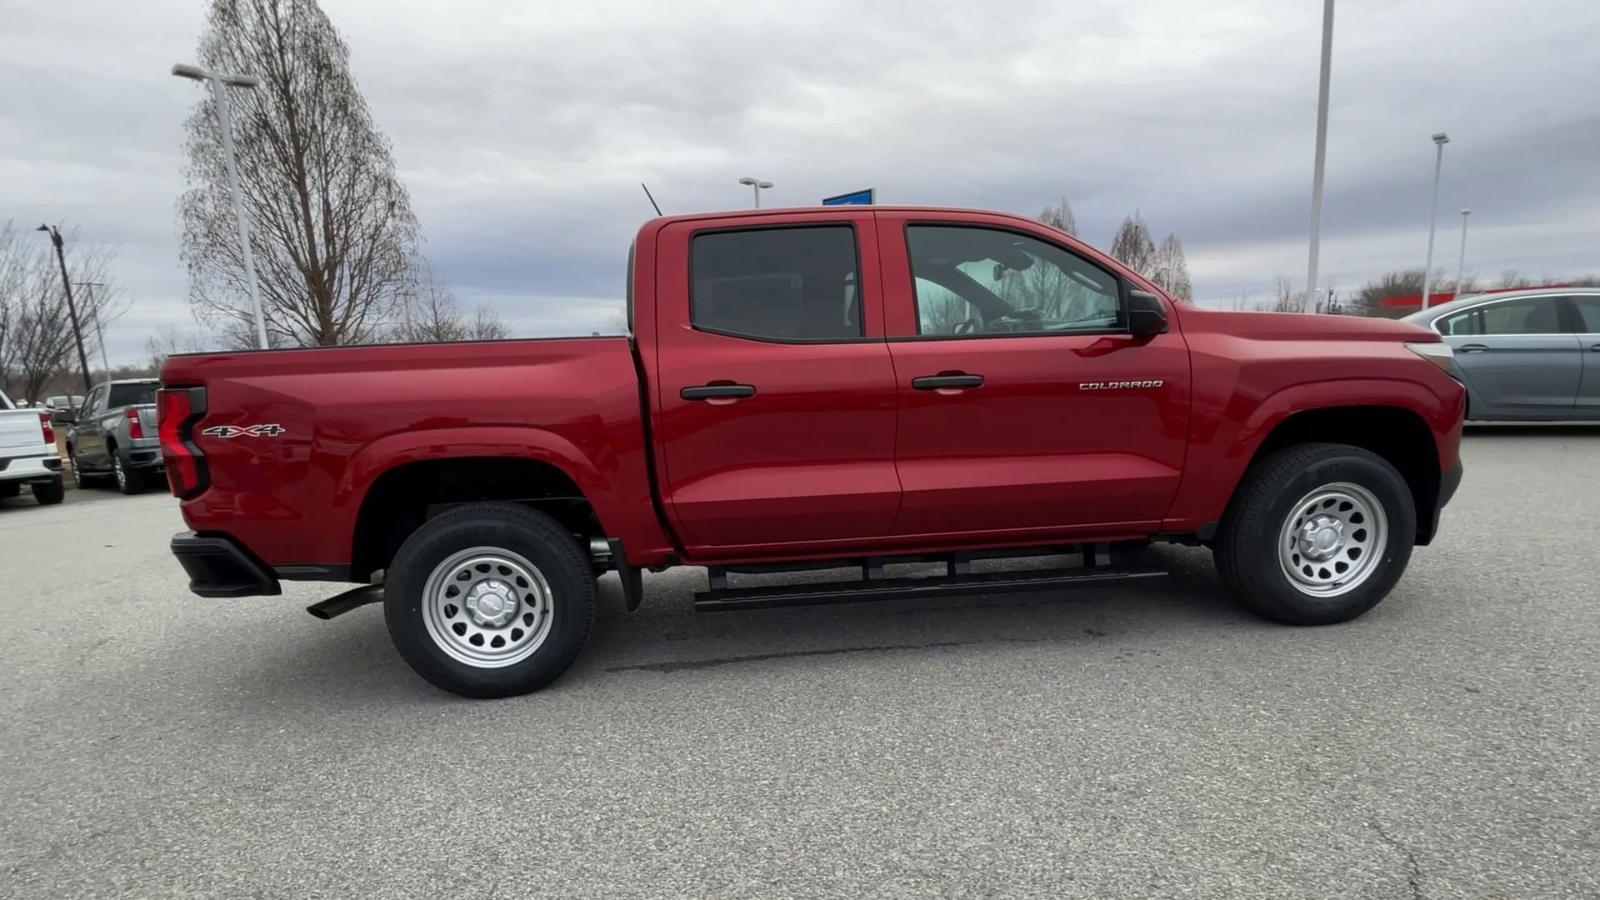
column 783, row 284
column 132, row 394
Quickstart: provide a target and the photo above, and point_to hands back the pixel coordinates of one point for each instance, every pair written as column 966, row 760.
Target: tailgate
column 147, row 419
column 20, row 428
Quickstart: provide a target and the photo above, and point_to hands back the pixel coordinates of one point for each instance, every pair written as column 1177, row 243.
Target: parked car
column 817, row 388
column 1528, row 355
column 28, row 453
column 114, row 434
column 62, row 403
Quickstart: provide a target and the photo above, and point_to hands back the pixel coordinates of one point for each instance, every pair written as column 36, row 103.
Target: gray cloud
column 523, row 130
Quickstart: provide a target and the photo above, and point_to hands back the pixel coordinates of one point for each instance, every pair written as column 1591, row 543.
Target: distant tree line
column 36, row 337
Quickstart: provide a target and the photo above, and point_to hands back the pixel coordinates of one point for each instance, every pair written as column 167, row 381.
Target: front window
column 984, row 281
column 1527, row 315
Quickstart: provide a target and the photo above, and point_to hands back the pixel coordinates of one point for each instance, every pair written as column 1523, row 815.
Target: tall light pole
column 756, row 185
column 99, row 329
column 1461, row 263
column 1322, row 152
column 225, row 124
column 1439, row 140
column 72, row 307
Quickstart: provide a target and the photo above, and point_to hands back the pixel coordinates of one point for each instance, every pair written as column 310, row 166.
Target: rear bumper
column 219, row 566
column 45, row 467
column 1449, row 480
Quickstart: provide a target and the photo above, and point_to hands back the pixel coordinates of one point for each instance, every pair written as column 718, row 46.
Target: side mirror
column 66, row 417
column 1146, row 316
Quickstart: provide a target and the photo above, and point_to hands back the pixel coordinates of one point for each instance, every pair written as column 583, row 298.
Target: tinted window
column 92, row 404
column 132, row 394
column 1588, row 311
column 1531, row 315
column 976, row 281
column 796, row 284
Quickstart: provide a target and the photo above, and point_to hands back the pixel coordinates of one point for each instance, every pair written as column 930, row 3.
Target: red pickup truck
column 806, row 389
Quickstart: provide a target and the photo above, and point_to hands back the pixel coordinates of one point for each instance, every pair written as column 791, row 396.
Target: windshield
column 133, row 394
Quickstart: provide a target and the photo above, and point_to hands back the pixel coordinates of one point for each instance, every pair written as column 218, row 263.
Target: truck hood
column 1302, row 326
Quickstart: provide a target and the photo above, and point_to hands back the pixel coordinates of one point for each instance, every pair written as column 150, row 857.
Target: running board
column 816, row 593
column 343, row 603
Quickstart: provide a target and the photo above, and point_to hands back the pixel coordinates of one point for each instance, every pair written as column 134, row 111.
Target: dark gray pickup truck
column 114, row 434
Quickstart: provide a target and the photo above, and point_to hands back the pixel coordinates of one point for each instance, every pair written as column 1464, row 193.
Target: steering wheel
column 969, row 326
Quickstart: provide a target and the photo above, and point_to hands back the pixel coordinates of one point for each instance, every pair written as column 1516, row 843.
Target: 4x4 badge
column 233, row 431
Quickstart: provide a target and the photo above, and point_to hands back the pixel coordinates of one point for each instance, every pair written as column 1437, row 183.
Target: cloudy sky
column 523, row 129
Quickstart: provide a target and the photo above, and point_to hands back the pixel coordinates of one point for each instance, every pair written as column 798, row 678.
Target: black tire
column 129, row 480
column 9, row 489
column 79, row 479
column 49, row 493
column 1247, row 551
column 523, row 532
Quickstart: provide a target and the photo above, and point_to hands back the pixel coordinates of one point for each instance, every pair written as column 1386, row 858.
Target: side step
column 873, row 586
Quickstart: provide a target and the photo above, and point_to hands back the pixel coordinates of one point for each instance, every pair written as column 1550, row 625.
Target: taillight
column 49, row 430
column 177, row 409
column 135, row 427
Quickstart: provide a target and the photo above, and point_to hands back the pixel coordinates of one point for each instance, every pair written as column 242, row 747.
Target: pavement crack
column 689, row 664
column 1413, row 868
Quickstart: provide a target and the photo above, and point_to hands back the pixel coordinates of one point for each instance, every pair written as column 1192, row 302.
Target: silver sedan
column 1529, row 355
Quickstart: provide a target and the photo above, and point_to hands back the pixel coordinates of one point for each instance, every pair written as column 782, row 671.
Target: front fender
column 1220, row 453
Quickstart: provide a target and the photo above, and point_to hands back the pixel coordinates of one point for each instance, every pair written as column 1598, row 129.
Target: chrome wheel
column 1332, row 539
column 77, row 471
column 116, row 469
column 487, row 607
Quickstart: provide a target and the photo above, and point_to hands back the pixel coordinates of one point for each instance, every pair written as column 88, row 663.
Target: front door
column 1588, row 310
column 1025, row 405
column 1519, row 357
column 774, row 387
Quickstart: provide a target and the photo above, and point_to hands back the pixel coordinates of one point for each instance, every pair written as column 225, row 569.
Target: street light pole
column 1439, row 140
column 99, row 329
column 757, row 186
column 72, row 306
column 225, row 124
column 1461, row 263
column 1322, row 151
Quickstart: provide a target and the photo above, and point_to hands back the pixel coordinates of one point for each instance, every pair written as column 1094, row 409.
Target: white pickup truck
column 28, row 453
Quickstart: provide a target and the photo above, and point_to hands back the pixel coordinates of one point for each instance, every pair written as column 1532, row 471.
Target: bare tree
column 1133, row 246
column 169, row 340
column 1060, row 217
column 1171, row 271
column 36, row 337
column 430, row 313
column 331, row 224
column 486, row 325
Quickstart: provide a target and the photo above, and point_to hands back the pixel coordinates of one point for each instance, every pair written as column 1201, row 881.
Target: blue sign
column 862, row 198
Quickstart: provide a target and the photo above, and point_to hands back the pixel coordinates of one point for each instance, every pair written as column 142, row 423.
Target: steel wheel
column 487, row 607
column 1332, row 539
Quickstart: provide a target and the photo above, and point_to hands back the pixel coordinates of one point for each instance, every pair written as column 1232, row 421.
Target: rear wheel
column 1317, row 534
column 489, row 600
column 129, row 481
column 49, row 493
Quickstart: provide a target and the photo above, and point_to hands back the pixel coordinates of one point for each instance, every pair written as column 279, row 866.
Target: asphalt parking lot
column 1146, row 740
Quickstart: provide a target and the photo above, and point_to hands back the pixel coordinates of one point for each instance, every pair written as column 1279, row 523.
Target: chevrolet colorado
column 815, row 389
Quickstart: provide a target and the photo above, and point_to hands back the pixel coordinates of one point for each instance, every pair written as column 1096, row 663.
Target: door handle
column 1595, row 349
column 946, row 381
column 1472, row 348
column 718, row 390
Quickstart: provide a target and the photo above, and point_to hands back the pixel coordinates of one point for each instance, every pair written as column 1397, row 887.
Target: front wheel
column 489, row 600
column 1317, row 534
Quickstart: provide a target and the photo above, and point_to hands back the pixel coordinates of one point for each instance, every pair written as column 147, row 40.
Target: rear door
column 1587, row 307
column 1520, row 356
column 1025, row 405
column 773, row 384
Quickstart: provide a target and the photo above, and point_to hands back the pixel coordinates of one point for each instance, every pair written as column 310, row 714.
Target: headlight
column 1438, row 353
